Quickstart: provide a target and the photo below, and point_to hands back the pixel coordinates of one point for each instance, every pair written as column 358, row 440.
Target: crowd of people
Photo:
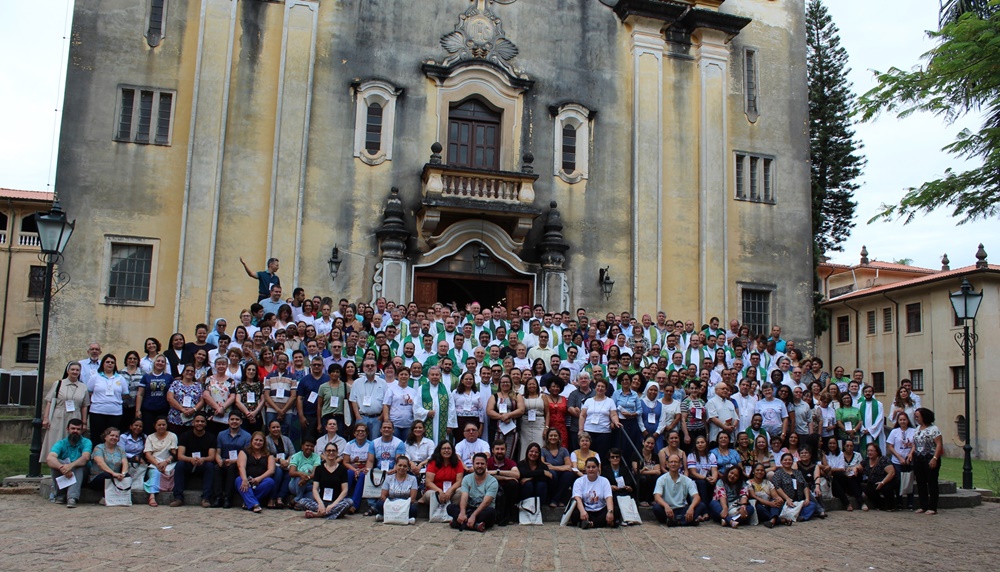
column 331, row 409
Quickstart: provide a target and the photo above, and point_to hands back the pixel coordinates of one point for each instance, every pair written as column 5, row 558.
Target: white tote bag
column 118, row 492
column 628, row 510
column 570, row 507
column 373, row 484
column 791, row 510
column 439, row 512
column 530, row 511
column 396, row 511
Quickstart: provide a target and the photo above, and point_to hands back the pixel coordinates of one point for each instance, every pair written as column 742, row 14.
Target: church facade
column 515, row 151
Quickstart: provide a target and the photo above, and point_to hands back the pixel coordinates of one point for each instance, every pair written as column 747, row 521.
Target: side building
column 896, row 322
column 664, row 142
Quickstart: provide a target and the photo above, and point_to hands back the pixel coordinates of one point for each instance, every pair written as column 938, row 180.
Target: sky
column 877, row 34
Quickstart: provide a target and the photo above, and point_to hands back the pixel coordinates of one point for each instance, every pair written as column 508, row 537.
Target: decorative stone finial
column 553, row 247
column 526, row 160
column 393, row 235
column 945, row 263
column 864, row 254
column 981, row 257
column 436, row 153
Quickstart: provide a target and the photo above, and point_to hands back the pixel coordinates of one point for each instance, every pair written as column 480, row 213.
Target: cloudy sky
column 878, row 34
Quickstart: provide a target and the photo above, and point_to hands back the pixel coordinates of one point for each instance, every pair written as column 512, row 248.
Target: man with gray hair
column 574, row 403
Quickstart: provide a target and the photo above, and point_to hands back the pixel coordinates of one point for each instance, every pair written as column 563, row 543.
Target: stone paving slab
column 38, row 535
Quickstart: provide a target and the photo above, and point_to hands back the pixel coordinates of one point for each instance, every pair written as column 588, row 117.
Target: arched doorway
column 454, row 279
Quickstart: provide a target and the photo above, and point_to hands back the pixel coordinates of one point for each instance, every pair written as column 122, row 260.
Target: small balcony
column 26, row 239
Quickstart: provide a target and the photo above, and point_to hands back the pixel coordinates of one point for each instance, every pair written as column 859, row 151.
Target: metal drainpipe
column 6, row 279
column 899, row 372
column 857, row 336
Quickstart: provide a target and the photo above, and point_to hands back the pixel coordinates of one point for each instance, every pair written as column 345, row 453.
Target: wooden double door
column 431, row 287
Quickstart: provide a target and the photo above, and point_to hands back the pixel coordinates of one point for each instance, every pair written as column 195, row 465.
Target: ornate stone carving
column 553, row 247
column 392, row 235
column 479, row 35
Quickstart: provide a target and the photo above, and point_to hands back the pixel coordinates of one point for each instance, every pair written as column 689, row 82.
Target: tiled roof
column 991, row 268
column 26, row 195
column 876, row 264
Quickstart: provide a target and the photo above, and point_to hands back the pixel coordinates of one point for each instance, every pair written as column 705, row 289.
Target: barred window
column 757, row 310
column 878, row 381
column 144, row 116
column 27, row 348
column 871, row 322
column 843, row 329
column 887, row 320
column 36, row 282
column 755, row 178
column 373, row 129
column 131, row 270
column 917, row 378
column 751, row 89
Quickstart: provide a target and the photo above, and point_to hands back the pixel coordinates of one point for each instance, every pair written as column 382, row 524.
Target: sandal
column 850, row 507
column 919, row 511
column 280, row 503
column 864, row 507
column 371, row 512
column 311, row 514
column 931, row 512
column 256, row 508
column 152, row 501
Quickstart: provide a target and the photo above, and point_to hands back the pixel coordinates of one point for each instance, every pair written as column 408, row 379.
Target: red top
column 508, row 464
column 446, row 474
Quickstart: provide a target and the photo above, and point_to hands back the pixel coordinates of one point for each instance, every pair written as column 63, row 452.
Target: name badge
column 848, row 425
column 233, row 455
column 327, row 495
column 110, row 390
column 502, row 407
column 196, row 455
column 251, row 397
column 367, row 401
column 697, row 413
column 795, row 484
column 279, row 392
column 186, row 402
column 312, row 397
column 386, row 465
column 532, row 415
column 335, row 402
column 280, row 456
column 620, row 481
column 651, row 418
column 70, row 406
column 446, row 486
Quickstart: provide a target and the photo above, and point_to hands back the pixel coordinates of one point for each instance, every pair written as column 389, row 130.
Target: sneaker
column 481, row 527
column 378, row 518
column 176, row 503
column 71, row 503
column 412, row 520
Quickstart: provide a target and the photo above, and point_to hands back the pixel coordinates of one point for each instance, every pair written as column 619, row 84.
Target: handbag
column 791, row 511
column 373, row 484
column 396, row 511
column 530, row 511
column 438, row 512
column 570, row 506
column 138, row 474
column 118, row 492
column 905, row 479
column 628, row 510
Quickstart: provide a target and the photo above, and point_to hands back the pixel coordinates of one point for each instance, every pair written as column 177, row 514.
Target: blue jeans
column 562, row 486
column 253, row 496
column 300, row 489
column 357, row 486
column 182, row 471
column 374, row 425
column 281, row 479
column 535, row 488
column 766, row 513
column 401, row 432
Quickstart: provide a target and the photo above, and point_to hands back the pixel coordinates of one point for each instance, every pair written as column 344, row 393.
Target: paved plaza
column 37, row 535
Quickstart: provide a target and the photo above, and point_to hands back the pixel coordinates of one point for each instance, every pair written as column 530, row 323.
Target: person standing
column 106, row 389
column 265, row 278
column 368, row 397
column 927, row 453
column 68, row 399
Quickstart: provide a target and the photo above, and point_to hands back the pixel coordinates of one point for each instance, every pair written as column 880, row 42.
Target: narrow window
column 36, row 282
column 878, row 381
column 958, row 377
column 145, row 116
column 569, row 149
column 154, row 32
column 750, row 71
column 754, row 166
column 740, row 184
column 913, row 325
column 163, row 118
column 125, row 119
column 917, row 378
column 871, row 322
column 887, row 320
column 768, row 196
column 843, row 329
column 373, row 129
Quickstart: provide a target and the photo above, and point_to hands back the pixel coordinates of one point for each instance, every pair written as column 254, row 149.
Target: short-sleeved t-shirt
column 386, row 453
column 557, row 460
column 66, row 451
column 303, row 463
column 194, row 444
column 358, row 454
column 333, row 481
column 397, row 489
column 154, row 391
column 264, row 282
column 445, row 473
column 478, row 492
column 160, row 448
column 773, row 413
column 113, row 459
column 593, row 493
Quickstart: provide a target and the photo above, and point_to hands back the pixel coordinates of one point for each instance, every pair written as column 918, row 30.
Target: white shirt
column 723, row 410
column 747, row 407
column 598, row 415
column 594, row 493
column 465, row 450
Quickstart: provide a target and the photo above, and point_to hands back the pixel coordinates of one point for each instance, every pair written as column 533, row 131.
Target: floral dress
column 187, row 396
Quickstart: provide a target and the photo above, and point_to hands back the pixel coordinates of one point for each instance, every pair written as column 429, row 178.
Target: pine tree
column 836, row 163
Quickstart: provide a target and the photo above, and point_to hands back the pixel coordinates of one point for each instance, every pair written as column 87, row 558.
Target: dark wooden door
column 425, row 291
column 518, row 294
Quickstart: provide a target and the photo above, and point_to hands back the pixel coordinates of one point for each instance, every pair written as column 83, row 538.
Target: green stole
column 876, row 410
column 441, row 416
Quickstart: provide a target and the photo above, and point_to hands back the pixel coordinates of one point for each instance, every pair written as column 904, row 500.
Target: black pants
column 487, row 516
column 149, row 420
column 99, row 423
column 844, row 486
column 225, row 482
column 184, row 471
column 601, row 443
column 927, row 482
column 598, row 517
column 506, row 504
column 646, row 485
column 882, row 498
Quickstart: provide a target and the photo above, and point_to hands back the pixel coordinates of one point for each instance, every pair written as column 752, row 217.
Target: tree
column 836, row 163
column 961, row 75
column 951, row 10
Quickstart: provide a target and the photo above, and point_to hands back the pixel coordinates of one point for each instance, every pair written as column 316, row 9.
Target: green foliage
column 951, row 10
column 961, row 75
column 835, row 162
column 13, row 460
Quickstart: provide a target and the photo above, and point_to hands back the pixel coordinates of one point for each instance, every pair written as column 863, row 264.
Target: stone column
column 392, row 273
column 554, row 293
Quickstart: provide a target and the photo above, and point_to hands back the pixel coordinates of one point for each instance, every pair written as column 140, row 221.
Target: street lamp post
column 54, row 230
column 966, row 303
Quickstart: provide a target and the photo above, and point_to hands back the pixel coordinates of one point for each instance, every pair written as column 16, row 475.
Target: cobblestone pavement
column 37, row 535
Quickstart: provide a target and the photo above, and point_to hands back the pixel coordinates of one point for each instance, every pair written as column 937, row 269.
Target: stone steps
column 958, row 498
